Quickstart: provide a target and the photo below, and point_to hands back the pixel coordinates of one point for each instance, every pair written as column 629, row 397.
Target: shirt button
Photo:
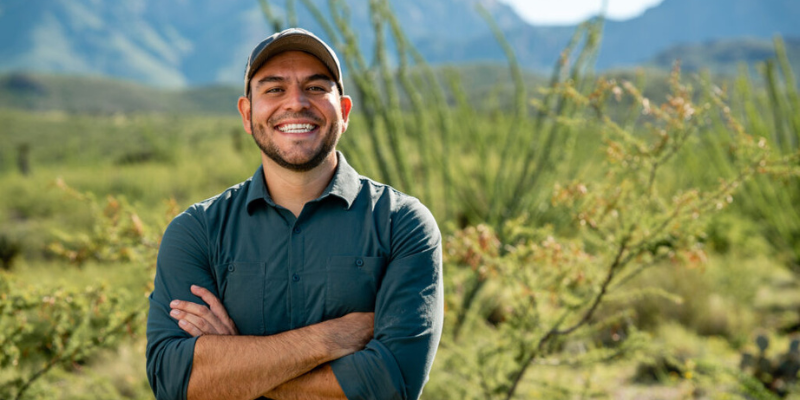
column 295, row 277
column 296, row 229
column 230, row 268
column 359, row 262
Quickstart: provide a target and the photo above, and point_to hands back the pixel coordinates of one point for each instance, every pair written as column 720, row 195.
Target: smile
column 296, row 128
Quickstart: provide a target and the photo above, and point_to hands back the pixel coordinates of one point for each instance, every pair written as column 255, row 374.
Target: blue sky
column 562, row 12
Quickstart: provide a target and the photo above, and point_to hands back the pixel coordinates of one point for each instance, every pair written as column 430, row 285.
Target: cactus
column 778, row 374
column 762, row 342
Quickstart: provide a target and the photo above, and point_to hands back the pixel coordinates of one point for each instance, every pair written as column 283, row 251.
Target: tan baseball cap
column 292, row 39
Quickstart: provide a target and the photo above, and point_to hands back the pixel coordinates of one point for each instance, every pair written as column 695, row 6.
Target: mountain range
column 183, row 43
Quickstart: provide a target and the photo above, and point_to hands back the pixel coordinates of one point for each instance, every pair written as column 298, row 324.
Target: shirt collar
column 345, row 184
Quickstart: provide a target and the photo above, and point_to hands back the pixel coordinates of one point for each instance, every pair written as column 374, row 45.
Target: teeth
column 296, row 128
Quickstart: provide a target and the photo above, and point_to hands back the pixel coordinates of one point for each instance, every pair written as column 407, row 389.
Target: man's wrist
column 330, row 348
column 345, row 335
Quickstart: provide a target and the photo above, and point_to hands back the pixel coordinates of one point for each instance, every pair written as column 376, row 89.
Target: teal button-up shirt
column 361, row 246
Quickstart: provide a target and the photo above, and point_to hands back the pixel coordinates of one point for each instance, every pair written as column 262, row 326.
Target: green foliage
column 628, row 220
column 42, row 328
column 769, row 116
column 118, row 234
column 717, row 298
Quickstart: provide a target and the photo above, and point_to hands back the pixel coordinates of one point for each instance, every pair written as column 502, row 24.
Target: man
column 307, row 280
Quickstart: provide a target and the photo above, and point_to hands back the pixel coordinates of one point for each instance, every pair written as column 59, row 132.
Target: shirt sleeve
column 182, row 261
column 409, row 311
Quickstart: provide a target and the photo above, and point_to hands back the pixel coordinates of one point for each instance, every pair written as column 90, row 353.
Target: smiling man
column 307, row 280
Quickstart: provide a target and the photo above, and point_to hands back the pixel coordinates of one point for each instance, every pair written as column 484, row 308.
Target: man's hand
column 200, row 320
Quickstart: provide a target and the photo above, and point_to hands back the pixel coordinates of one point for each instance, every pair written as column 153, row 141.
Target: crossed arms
column 288, row 365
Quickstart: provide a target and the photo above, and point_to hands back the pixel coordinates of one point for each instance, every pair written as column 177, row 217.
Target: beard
column 317, row 156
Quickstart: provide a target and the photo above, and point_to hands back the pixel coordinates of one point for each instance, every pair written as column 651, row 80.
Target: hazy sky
column 560, row 12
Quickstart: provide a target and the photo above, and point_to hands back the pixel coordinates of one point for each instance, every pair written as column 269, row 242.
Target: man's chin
column 299, row 163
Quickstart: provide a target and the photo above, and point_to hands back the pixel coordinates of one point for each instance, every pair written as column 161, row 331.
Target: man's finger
column 213, row 302
column 198, row 315
column 189, row 328
column 192, row 308
column 216, row 307
column 202, row 324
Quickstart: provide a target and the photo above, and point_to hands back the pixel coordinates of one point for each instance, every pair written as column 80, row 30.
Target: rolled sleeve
column 409, row 312
column 181, row 262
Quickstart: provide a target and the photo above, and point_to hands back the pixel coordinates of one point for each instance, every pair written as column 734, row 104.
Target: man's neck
column 293, row 189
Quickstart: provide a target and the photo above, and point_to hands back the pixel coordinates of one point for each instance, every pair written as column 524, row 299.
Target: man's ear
column 347, row 106
column 244, row 110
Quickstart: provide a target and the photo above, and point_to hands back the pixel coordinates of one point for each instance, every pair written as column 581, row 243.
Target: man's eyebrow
column 319, row 77
column 271, row 78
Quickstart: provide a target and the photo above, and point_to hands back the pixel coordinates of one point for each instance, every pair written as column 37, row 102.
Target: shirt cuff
column 371, row 373
column 171, row 367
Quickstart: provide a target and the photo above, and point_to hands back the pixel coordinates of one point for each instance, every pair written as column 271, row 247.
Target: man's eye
column 316, row 88
column 273, row 90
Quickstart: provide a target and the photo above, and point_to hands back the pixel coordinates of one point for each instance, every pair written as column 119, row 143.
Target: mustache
column 275, row 120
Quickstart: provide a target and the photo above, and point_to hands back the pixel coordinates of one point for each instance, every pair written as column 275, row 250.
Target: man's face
column 295, row 112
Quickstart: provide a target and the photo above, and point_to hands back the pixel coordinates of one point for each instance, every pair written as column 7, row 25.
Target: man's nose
column 297, row 99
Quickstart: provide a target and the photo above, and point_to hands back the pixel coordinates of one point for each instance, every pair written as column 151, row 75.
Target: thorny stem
column 627, row 278
column 554, row 331
column 652, row 179
column 603, row 289
column 39, row 374
column 681, row 139
column 469, row 297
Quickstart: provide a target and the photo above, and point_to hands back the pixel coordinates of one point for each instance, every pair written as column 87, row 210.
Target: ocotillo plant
column 772, row 115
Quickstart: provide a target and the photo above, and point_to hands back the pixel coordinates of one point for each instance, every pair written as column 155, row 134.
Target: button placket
column 296, row 260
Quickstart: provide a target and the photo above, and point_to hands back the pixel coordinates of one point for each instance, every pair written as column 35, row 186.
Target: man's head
column 293, row 104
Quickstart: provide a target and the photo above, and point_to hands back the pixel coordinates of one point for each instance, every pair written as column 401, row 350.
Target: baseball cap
column 292, row 39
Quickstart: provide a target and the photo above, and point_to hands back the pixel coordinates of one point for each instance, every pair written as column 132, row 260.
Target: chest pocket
column 242, row 293
column 352, row 284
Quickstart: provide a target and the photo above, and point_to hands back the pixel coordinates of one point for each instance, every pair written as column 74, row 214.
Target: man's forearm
column 318, row 384
column 245, row 367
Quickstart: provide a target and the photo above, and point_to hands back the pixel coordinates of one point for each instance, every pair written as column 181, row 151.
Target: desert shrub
column 42, row 328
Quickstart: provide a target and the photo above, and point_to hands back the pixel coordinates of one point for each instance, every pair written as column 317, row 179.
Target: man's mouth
column 296, row 128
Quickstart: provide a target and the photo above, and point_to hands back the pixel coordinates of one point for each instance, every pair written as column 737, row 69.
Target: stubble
column 268, row 146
